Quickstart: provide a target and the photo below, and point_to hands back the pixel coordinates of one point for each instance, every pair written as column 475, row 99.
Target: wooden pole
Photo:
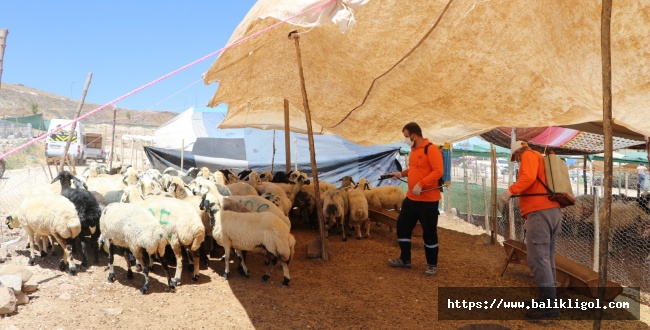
column 312, row 153
column 3, row 44
column 122, row 148
column 605, row 45
column 485, row 206
column 287, row 137
column 110, row 164
column 132, row 156
column 74, row 124
column 493, row 235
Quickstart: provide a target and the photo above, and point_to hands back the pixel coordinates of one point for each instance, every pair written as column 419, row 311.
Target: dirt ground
column 356, row 289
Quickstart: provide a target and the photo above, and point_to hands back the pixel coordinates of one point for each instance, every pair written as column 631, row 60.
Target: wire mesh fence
column 469, row 197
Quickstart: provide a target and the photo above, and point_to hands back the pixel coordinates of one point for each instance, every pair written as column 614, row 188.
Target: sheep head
column 12, row 222
column 213, row 205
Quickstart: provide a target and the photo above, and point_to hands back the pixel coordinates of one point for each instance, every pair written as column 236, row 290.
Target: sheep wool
column 48, row 214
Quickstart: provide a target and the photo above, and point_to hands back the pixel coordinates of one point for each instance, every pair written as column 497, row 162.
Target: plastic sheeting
column 458, row 68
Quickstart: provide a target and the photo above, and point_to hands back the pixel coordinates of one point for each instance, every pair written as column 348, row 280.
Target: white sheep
column 184, row 229
column 48, row 214
column 242, row 189
column 259, row 204
column 250, row 232
column 358, row 212
column 132, row 226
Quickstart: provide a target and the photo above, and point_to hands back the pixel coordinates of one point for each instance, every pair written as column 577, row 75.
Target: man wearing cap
column 543, row 221
column 640, row 170
column 422, row 197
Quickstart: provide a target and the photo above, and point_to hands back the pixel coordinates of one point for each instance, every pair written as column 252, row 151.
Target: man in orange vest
column 543, row 221
column 421, row 202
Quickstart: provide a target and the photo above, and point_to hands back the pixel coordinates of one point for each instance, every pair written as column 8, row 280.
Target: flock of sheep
column 142, row 214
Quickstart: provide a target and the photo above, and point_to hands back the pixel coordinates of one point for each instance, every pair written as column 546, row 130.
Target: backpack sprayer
column 445, row 180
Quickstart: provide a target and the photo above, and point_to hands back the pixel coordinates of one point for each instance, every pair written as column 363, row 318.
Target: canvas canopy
column 458, row 68
column 206, row 145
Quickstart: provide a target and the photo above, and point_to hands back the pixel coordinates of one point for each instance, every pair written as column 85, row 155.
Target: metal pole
column 511, row 173
column 182, row 153
column 310, row 135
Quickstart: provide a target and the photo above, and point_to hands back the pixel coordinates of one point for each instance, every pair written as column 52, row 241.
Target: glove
column 417, row 190
column 396, row 175
column 505, row 195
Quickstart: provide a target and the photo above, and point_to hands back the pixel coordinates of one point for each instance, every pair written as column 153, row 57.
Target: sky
column 53, row 46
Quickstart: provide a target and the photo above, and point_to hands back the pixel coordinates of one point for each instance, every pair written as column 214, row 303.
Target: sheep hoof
column 195, row 278
column 144, row 289
column 285, row 282
column 366, row 236
column 27, row 246
column 266, row 277
column 172, row 287
column 190, row 267
column 138, row 268
column 359, row 237
column 84, row 262
column 225, row 276
column 344, row 239
column 62, row 266
column 31, row 262
column 176, row 281
column 129, row 274
column 378, row 224
column 43, row 254
column 241, row 272
column 111, row 277
column 72, row 271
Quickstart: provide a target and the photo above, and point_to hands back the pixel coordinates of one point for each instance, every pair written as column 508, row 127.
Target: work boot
column 398, row 263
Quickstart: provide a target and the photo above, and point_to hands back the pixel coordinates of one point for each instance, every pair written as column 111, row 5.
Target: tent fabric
column 206, row 145
column 560, row 140
column 458, row 68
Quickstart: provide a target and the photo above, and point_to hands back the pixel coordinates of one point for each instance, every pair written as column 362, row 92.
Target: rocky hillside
column 19, row 100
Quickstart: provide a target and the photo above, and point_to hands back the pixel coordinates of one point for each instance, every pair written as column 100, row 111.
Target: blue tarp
column 251, row 148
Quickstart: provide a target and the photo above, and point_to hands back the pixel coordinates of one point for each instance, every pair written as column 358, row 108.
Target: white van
column 55, row 143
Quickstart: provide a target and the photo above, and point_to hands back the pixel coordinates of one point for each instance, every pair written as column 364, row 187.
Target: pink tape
column 322, row 5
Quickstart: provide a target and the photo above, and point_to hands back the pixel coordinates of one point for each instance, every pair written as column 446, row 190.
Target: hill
column 19, row 100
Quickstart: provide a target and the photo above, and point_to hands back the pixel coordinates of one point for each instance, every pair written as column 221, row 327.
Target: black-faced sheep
column 48, row 214
column 89, row 213
column 133, row 227
column 250, row 232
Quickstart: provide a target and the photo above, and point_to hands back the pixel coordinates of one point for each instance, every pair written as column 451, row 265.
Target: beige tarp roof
column 458, row 68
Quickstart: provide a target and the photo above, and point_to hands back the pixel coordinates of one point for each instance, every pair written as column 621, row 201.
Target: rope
column 112, row 103
column 548, row 137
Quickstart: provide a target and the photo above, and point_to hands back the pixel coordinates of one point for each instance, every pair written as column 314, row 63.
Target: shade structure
column 458, row 68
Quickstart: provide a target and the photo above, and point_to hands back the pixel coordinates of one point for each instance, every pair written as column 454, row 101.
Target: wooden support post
column 485, row 205
column 122, row 149
column 584, row 173
column 606, row 57
column 3, row 44
column 110, row 163
column 511, row 180
column 325, row 253
column 74, row 123
column 287, row 137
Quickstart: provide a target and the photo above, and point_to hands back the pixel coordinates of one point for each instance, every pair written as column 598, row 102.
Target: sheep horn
column 58, row 177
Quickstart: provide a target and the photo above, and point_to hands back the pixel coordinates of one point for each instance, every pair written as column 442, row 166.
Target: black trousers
column 427, row 213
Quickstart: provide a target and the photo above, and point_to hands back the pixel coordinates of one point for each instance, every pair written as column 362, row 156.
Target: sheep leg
column 94, row 245
column 30, row 234
column 165, row 267
column 111, row 253
column 287, row 278
column 367, row 224
column 143, row 258
column 179, row 263
column 129, row 272
column 242, row 269
column 84, row 250
column 357, row 226
column 196, row 258
column 67, row 254
column 190, row 259
column 40, row 240
column 226, row 258
column 343, row 230
column 274, row 260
